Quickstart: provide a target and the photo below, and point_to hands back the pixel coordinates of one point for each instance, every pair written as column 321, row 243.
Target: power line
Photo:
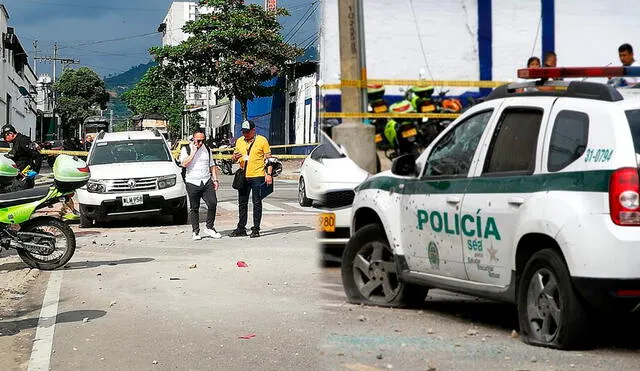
column 302, row 24
column 300, row 19
column 424, row 54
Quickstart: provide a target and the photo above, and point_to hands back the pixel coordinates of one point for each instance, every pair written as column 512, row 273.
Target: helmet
column 276, row 166
column 8, row 129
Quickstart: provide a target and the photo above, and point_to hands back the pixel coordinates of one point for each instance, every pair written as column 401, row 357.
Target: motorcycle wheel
column 226, row 168
column 59, row 236
column 50, row 161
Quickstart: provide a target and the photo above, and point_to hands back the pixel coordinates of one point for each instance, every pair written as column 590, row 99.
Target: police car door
column 431, row 204
column 499, row 190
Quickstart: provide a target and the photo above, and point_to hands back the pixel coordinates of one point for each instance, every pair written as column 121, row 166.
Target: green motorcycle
column 42, row 242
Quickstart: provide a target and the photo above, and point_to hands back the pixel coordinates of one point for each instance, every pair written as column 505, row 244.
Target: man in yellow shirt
column 251, row 152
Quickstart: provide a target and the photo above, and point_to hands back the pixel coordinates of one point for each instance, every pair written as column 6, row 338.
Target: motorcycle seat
column 22, row 197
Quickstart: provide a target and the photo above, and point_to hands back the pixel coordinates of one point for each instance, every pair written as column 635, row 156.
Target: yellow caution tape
column 354, row 115
column 54, row 152
column 451, row 83
column 279, row 157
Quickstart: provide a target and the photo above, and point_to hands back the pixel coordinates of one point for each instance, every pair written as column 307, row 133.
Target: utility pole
column 353, row 134
column 55, row 59
column 35, row 60
column 110, row 129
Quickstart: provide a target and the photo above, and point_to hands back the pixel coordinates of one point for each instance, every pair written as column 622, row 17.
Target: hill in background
column 120, row 83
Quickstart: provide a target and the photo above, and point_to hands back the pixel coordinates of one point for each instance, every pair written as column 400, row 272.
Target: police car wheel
column 549, row 311
column 302, row 194
column 369, row 272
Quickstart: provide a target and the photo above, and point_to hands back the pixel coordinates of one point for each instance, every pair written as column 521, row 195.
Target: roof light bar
column 563, row 72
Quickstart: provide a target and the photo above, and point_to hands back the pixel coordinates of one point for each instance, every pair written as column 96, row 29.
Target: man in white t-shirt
column 202, row 182
column 625, row 53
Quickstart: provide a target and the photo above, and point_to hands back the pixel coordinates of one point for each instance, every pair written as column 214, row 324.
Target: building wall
column 17, row 110
column 180, row 12
column 305, row 116
column 586, row 33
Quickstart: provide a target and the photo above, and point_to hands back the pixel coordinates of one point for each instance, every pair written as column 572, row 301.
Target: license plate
column 429, row 108
column 378, row 138
column 409, row 133
column 327, row 222
column 379, row 109
column 132, row 200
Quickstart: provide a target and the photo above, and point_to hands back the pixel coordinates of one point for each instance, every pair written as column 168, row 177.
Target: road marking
column 285, row 213
column 361, row 367
column 227, row 205
column 267, row 206
column 43, row 343
column 297, row 206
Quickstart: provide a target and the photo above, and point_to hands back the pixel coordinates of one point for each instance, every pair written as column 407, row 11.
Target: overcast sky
column 83, row 29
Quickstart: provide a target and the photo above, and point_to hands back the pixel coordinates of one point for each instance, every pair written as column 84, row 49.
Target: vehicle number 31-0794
column 598, row 155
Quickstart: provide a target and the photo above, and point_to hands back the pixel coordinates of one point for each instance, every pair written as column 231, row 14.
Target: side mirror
column 404, row 165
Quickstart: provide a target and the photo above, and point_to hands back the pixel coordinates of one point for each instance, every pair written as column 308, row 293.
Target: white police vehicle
column 531, row 197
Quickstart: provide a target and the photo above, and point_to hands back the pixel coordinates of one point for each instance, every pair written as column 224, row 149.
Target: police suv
column 531, row 197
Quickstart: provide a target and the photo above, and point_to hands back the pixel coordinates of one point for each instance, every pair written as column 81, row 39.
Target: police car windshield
column 126, row 151
column 633, row 116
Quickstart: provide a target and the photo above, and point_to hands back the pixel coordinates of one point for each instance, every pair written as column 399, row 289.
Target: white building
column 17, row 82
column 215, row 113
column 582, row 33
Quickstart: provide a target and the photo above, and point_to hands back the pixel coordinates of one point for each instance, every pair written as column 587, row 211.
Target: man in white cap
column 250, row 152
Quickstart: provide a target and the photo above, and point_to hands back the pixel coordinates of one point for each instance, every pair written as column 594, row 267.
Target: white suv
column 531, row 197
column 132, row 175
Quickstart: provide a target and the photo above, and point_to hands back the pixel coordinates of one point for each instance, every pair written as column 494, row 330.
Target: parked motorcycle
column 225, row 165
column 42, row 242
column 377, row 104
column 401, row 134
column 423, row 101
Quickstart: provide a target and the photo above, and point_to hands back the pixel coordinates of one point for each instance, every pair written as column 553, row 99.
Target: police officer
column 23, row 152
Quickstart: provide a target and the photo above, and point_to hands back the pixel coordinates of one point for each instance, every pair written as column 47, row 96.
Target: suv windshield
column 144, row 150
column 633, row 116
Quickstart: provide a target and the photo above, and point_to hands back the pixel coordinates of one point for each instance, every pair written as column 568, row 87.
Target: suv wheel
column 370, row 274
column 302, row 194
column 85, row 221
column 549, row 311
column 182, row 216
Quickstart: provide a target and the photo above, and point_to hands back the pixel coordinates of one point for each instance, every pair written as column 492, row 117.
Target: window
column 318, row 153
column 633, row 116
column 513, row 146
column 568, row 139
column 453, row 154
column 148, row 150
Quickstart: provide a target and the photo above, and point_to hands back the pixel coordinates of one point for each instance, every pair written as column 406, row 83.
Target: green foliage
column 237, row 49
column 157, row 93
column 80, row 92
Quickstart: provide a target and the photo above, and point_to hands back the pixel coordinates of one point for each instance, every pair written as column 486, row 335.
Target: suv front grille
column 337, row 199
column 136, row 184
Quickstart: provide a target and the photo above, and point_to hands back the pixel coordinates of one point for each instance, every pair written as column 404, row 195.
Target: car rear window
column 633, row 116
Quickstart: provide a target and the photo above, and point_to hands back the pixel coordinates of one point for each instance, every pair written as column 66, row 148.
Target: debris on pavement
column 85, row 320
column 242, row 264
column 514, row 334
column 113, row 303
column 362, row 318
column 193, row 266
column 174, row 278
column 246, row 337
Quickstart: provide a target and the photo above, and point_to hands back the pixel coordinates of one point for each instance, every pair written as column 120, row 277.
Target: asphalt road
column 141, row 295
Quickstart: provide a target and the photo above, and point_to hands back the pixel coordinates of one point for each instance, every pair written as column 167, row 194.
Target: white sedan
column 328, row 170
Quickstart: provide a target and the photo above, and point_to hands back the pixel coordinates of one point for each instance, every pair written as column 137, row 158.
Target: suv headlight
column 96, row 186
column 166, row 181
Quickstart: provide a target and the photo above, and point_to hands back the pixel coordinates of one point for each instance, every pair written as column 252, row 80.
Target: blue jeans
column 253, row 186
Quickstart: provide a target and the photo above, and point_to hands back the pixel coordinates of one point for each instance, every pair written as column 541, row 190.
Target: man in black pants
column 202, row 182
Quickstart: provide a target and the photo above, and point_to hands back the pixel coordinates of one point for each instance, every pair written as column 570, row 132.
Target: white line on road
column 268, row 207
column 297, row 206
column 229, row 206
column 43, row 343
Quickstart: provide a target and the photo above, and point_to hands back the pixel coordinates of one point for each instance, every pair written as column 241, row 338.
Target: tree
column 158, row 93
column 80, row 93
column 236, row 48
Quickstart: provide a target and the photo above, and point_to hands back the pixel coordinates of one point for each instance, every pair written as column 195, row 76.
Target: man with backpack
column 202, row 183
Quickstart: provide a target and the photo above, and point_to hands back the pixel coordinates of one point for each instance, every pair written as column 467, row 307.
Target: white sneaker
column 196, row 237
column 212, row 233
